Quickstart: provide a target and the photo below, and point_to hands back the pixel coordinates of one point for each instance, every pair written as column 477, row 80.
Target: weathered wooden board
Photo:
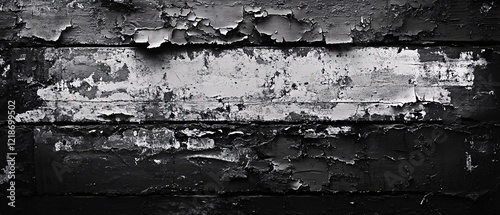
column 277, row 159
column 112, row 22
column 201, row 125
column 253, row 84
column 267, row 205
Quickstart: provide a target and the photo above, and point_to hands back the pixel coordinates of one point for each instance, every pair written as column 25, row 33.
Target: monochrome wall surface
column 250, row 107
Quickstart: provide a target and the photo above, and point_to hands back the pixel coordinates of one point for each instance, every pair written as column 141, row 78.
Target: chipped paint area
column 259, row 22
column 155, row 139
column 65, row 146
column 330, row 131
column 281, row 157
column 246, row 83
column 200, row 143
column 5, row 66
column 204, row 24
column 468, row 162
column 454, row 70
column 149, row 141
column 227, row 155
column 141, row 139
column 196, row 132
column 48, row 28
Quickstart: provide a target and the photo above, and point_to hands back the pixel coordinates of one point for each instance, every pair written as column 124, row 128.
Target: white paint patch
column 280, row 165
column 196, row 132
column 154, row 37
column 155, row 139
column 228, row 155
column 270, row 83
column 59, row 145
column 200, row 143
column 45, row 114
column 203, row 75
column 468, row 162
column 330, row 130
column 236, row 133
column 297, row 184
column 343, row 160
column 5, row 70
column 433, row 94
column 67, row 144
column 453, row 72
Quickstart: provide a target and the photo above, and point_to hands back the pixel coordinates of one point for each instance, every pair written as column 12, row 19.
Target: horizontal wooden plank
column 329, row 204
column 280, row 158
column 254, row 84
column 251, row 22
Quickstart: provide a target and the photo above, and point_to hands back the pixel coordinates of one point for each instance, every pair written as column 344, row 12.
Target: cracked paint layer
column 110, row 22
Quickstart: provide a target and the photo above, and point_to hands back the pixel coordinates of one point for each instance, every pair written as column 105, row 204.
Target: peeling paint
column 224, row 155
column 282, row 29
column 277, row 157
column 256, row 123
column 153, row 37
column 200, row 144
column 48, row 31
column 202, row 85
column 158, row 139
column 196, row 132
column 126, row 22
